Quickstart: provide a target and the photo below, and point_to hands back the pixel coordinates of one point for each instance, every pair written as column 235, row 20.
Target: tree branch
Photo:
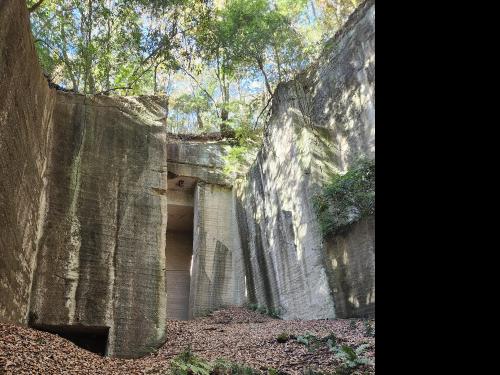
column 35, row 6
column 261, row 112
column 199, row 85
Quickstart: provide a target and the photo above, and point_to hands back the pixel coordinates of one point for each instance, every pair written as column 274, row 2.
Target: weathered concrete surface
column 217, row 275
column 26, row 104
column 321, row 122
column 101, row 260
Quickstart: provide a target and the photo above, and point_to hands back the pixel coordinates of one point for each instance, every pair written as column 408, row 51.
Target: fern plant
column 350, row 357
column 187, row 363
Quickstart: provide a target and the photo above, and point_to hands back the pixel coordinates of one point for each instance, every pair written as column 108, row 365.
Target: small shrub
column 310, row 371
column 331, row 341
column 270, row 311
column 274, row 313
column 283, row 337
column 313, row 343
column 222, row 367
column 262, row 310
column 253, row 306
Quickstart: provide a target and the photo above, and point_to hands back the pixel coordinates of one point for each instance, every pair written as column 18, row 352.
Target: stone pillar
column 217, row 278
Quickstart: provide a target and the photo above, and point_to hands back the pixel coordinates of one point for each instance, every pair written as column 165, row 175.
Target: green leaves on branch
column 243, row 152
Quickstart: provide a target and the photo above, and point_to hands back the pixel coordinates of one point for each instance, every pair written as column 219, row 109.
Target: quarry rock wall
column 82, row 217
column 101, row 261
column 351, row 270
column 217, row 275
column 200, row 159
column 321, row 123
column 26, row 124
column 86, row 186
column 217, row 279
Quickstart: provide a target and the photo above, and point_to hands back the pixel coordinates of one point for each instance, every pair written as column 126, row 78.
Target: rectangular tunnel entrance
column 94, row 339
column 179, row 245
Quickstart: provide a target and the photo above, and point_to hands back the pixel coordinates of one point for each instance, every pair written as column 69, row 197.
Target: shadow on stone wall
column 351, row 270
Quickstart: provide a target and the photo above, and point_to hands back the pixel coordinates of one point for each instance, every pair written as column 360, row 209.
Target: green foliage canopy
column 217, row 61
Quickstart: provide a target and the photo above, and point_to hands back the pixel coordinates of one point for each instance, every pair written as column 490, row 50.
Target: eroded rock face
column 26, row 104
column 351, row 269
column 82, row 217
column 321, row 123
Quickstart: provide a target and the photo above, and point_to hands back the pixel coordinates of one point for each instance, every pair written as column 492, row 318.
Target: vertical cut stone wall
column 321, row 123
column 217, row 279
column 26, row 104
column 352, row 270
column 101, row 260
column 83, row 199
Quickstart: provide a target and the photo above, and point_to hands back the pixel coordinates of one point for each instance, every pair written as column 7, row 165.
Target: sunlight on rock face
column 354, row 301
column 106, row 209
column 345, row 258
column 322, row 123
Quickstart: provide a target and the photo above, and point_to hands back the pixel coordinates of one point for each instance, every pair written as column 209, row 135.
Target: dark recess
column 94, row 339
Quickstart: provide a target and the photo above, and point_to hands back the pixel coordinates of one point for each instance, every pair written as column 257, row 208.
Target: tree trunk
column 88, row 57
column 278, row 62
column 66, row 59
column 155, row 87
column 313, row 8
column 108, row 51
column 166, row 110
column 199, row 120
column 224, row 127
column 260, row 62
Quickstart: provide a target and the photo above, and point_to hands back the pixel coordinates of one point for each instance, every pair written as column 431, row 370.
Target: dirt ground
column 234, row 334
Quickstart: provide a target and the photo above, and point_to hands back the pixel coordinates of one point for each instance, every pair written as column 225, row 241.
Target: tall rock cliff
column 26, row 123
column 101, row 259
column 82, row 217
column 321, row 122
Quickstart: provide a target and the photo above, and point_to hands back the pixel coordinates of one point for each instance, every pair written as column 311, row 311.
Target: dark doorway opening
column 91, row 338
